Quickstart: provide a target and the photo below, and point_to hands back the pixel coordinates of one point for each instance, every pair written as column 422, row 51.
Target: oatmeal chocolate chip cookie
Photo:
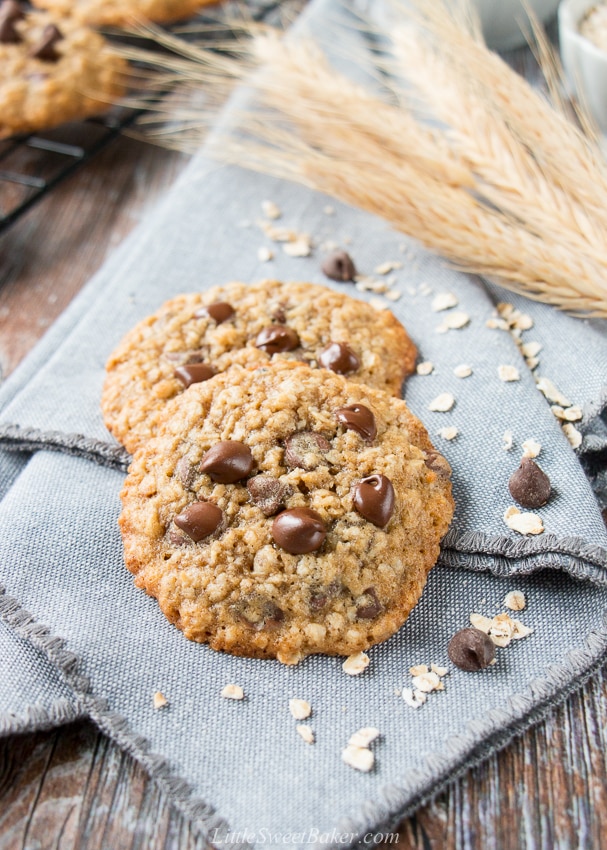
column 284, row 511
column 120, row 12
column 52, row 71
column 193, row 337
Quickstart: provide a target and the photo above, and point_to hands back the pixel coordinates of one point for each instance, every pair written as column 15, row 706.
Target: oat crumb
column 531, row 448
column 418, row 669
column 306, row 732
column 355, row 664
column 442, row 403
column 440, row 671
column 449, row 433
column 462, row 371
column 573, row 435
column 443, row 301
column 530, row 349
column 515, row 600
column 425, row 368
column 271, row 210
column 232, row 692
column 552, row 393
column 387, row 267
column 427, row 682
column 394, row 295
column 300, row 709
column 480, row 622
column 507, row 438
column 363, row 737
column 508, row 373
column 359, row 758
column 414, row 699
column 160, row 700
column 453, row 322
column 264, row 255
column 523, row 523
column 301, row 247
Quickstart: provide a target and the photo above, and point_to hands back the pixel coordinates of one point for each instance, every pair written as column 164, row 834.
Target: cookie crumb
column 449, row 433
column 414, row 698
column 569, row 414
column 160, row 700
column 442, row 403
column 443, row 301
column 440, row 671
column 418, row 669
column 515, row 600
column 508, row 373
column 232, row 692
column 427, row 682
column 359, row 758
column 300, row 709
column 552, row 393
column 573, row 435
column 531, row 448
column 306, row 732
column 264, row 255
column 425, row 368
column 271, row 210
column 507, row 438
column 462, row 371
column 363, row 737
column 523, row 523
column 355, row 664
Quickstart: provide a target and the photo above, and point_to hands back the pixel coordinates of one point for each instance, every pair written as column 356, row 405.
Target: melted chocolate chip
column 471, row 650
column 45, row 48
column 8, row 33
column 374, row 499
column 276, row 339
column 11, row 10
column 304, row 449
column 437, row 463
column 220, row 311
column 321, row 596
column 258, row 612
column 339, row 357
column 194, row 373
column 357, row 417
column 227, row 462
column 339, row 266
column 199, row 520
column 299, row 531
column 269, row 494
column 368, row 605
column 529, row 485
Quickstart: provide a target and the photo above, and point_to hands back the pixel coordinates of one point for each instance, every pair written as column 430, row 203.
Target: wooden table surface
column 72, row 788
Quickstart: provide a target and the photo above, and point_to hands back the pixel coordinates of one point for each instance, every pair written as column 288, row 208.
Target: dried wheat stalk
column 508, row 187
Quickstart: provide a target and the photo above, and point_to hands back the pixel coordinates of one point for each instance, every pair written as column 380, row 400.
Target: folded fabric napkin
column 238, row 768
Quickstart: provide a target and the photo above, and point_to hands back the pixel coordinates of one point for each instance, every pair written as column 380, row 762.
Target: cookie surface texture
column 286, row 511
column 53, row 71
column 247, row 324
column 120, row 12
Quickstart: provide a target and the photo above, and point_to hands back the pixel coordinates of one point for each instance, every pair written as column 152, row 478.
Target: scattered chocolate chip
column 471, row 650
column 194, row 373
column 357, row 417
column 220, row 311
column 45, row 48
column 185, row 472
column 299, row 531
column 437, row 463
column 529, row 485
column 8, row 33
column 303, row 448
column 374, row 499
column 277, row 338
column 368, row 605
column 11, row 10
column 269, row 494
column 339, row 357
column 259, row 612
column 227, row 462
column 199, row 520
column 339, row 266
column 321, row 596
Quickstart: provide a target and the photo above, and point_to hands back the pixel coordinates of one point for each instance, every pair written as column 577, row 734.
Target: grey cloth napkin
column 240, row 767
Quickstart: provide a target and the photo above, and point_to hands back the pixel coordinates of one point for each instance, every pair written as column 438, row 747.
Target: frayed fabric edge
column 37, row 717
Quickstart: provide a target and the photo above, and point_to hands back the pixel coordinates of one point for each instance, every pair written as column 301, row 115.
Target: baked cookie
column 52, row 71
column 285, row 511
column 194, row 336
column 121, row 12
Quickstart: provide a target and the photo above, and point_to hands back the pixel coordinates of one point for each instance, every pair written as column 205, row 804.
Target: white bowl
column 502, row 19
column 584, row 63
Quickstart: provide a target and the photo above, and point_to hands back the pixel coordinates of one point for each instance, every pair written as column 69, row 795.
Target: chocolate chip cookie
column 193, row 337
column 52, row 71
column 284, row 511
column 121, row 12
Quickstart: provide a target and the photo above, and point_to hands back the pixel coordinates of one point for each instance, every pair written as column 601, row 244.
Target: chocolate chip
column 368, row 605
column 339, row 266
column 258, row 612
column 220, row 311
column 357, row 417
column 299, row 531
column 471, row 650
column 437, row 463
column 194, row 373
column 185, row 472
column 227, row 462
column 339, row 357
column 45, row 48
column 374, row 499
column 8, row 33
column 302, row 449
column 529, row 485
column 321, row 596
column 11, row 10
column 277, row 338
column 269, row 494
column 199, row 520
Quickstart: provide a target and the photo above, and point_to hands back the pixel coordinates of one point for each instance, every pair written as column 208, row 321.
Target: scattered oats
column 515, row 600
column 552, row 393
column 359, row 758
column 363, row 737
column 377, row 303
column 530, row 349
column 504, row 309
column 462, row 371
column 270, row 210
column 480, row 622
column 573, row 435
column 449, row 433
column 507, row 438
column 440, row 671
column 278, row 234
column 571, row 414
column 508, row 373
column 232, row 692
column 300, row 709
column 425, row 368
column 394, row 294
column 264, row 255
column 453, row 321
column 329, row 210
column 492, row 662
column 301, row 247
column 443, row 301
column 355, row 664
column 497, row 324
column 523, row 523
column 531, row 448
column 424, row 289
column 419, row 669
column 522, row 321
column 415, row 699
column 520, row 630
column 389, row 266
column 502, row 629
column 442, row 403
column 532, row 362
column 306, row 732
column 427, row 682
column 160, row 700
column 329, row 246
